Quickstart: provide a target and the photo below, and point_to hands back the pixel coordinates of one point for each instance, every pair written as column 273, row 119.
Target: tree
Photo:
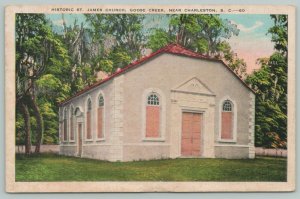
column 206, row 34
column 200, row 33
column 159, row 38
column 37, row 49
column 225, row 52
column 51, row 90
column 119, row 37
column 270, row 84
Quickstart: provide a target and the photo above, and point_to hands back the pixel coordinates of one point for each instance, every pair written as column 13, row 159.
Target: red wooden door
column 191, row 134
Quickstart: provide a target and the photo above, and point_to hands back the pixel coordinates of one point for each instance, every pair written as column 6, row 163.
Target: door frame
column 202, row 112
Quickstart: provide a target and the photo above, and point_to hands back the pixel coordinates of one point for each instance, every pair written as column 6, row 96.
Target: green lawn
column 50, row 167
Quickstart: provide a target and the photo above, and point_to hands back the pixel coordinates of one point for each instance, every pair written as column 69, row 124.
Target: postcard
column 150, row 98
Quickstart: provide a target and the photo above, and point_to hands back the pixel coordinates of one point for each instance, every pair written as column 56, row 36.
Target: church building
column 174, row 103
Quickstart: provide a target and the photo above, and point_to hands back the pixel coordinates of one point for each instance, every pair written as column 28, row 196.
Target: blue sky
column 260, row 23
column 252, row 43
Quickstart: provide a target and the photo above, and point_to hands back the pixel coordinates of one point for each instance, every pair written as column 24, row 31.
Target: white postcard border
column 12, row 186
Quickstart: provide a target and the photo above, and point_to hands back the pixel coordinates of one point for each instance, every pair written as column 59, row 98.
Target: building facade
column 173, row 103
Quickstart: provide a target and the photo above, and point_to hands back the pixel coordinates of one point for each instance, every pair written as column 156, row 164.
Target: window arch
column 89, row 119
column 100, row 100
column 153, row 116
column 89, row 104
column 77, row 112
column 227, row 120
column 72, row 117
column 100, row 117
column 153, row 99
column 227, row 106
column 65, row 125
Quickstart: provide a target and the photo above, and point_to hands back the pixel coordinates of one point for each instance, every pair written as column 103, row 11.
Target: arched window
column 153, row 116
column 72, row 117
column 100, row 121
column 89, row 120
column 227, row 120
column 77, row 112
column 65, row 125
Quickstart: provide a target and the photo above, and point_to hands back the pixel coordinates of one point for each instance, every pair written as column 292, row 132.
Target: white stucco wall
column 167, row 71
column 94, row 148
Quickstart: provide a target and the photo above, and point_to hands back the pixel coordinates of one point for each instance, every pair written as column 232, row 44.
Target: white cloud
column 248, row 29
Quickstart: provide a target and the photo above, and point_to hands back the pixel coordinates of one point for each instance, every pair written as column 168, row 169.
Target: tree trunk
column 26, row 115
column 39, row 121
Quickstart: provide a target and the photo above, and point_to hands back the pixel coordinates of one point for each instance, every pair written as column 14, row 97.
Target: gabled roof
column 171, row 49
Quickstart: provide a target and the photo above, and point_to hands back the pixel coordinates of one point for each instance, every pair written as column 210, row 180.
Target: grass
column 51, row 167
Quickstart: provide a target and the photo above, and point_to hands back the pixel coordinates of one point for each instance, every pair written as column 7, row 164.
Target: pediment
column 193, row 85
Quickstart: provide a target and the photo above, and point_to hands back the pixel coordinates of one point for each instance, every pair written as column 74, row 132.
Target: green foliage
column 270, row 84
column 189, row 29
column 238, row 66
column 119, row 58
column 105, row 65
column 159, row 38
column 20, row 131
column 79, row 84
column 279, row 32
column 43, row 71
column 52, row 167
column 120, row 39
column 49, row 112
column 225, row 48
column 31, row 34
column 202, row 45
column 127, row 30
column 51, row 87
column 206, row 34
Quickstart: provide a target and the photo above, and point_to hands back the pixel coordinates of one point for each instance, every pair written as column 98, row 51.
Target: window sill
column 100, row 139
column 227, row 141
column 153, row 139
column 72, row 141
column 88, row 140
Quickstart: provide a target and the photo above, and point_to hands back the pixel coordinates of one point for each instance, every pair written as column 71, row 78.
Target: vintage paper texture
column 12, row 186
